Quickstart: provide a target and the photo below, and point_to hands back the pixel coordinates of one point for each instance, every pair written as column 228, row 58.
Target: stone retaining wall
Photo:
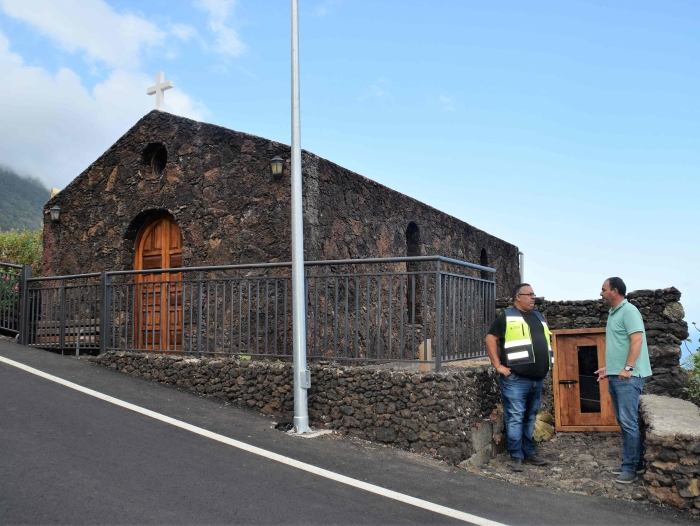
column 663, row 322
column 672, row 439
column 450, row 415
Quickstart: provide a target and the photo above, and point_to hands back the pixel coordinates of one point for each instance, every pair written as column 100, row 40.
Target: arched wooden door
column 159, row 296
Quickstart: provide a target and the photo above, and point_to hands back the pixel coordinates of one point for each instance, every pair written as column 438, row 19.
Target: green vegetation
column 9, row 297
column 19, row 248
column 22, row 248
column 21, row 201
column 691, row 364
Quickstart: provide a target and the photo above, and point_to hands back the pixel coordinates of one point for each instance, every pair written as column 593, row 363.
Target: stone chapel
column 208, row 193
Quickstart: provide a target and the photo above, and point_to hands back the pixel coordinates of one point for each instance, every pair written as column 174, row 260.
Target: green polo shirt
column 624, row 320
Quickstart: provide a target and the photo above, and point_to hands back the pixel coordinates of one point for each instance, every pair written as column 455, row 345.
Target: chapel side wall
column 663, row 323
column 358, row 217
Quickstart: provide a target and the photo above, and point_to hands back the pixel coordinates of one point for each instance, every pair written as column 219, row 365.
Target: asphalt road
column 70, row 458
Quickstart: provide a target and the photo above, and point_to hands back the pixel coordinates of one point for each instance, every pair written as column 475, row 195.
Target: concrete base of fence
column 450, row 415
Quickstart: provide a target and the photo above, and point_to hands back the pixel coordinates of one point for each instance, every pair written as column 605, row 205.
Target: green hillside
column 21, row 201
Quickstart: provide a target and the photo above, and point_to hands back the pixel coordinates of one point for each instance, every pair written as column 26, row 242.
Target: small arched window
column 155, row 157
column 484, row 262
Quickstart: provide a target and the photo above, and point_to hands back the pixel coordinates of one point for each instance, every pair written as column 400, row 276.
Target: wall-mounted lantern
column 276, row 166
column 55, row 212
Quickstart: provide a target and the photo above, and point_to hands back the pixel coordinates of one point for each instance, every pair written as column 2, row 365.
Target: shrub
column 22, row 248
column 691, row 364
column 9, row 294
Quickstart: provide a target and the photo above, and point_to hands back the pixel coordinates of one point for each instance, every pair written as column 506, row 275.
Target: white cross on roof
column 159, row 89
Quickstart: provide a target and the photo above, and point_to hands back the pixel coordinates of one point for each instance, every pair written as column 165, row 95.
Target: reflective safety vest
column 517, row 346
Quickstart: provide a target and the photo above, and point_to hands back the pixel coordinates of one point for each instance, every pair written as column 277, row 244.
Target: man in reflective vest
column 519, row 347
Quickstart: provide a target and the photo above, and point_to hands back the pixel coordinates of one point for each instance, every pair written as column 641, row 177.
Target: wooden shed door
column 581, row 402
column 159, row 296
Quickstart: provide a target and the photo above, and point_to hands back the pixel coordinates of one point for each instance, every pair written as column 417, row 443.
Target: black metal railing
column 10, row 295
column 63, row 312
column 429, row 309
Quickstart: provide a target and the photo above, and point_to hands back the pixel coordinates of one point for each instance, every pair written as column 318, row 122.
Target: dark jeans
column 625, row 399
column 521, row 403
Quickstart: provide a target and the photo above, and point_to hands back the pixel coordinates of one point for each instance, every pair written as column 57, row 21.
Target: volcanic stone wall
column 433, row 413
column 216, row 184
column 672, row 440
column 663, row 322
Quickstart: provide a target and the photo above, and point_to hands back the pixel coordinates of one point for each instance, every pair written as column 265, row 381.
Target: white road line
column 378, row 490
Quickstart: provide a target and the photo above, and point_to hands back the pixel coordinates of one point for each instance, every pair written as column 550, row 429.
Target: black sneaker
column 536, row 461
column 618, row 471
column 626, row 477
column 516, row 464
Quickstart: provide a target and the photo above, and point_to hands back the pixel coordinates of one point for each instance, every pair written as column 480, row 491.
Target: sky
column 570, row 129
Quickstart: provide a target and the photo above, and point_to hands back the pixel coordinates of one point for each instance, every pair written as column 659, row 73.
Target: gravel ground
column 578, row 463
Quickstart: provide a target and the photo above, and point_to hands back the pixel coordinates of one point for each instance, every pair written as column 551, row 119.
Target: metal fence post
column 105, row 310
column 438, row 318
column 199, row 316
column 24, row 305
column 62, row 316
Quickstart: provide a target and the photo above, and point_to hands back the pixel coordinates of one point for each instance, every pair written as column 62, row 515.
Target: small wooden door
column 581, row 403
column 159, row 296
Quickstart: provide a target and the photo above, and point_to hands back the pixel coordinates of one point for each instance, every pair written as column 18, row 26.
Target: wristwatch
column 628, row 367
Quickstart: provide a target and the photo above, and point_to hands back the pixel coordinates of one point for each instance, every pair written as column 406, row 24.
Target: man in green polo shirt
column 626, row 367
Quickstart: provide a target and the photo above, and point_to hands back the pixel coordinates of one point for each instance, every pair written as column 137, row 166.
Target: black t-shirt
column 534, row 371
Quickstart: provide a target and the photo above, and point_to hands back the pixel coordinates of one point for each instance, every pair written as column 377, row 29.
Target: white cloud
column 184, row 32
column 227, row 39
column 325, row 8
column 90, row 26
column 54, row 127
column 379, row 89
column 447, row 103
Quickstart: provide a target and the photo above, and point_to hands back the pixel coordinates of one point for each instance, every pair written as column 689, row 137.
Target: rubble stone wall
column 663, row 322
column 672, row 440
column 442, row 414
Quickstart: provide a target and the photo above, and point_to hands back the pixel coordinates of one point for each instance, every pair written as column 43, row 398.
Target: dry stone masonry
column 663, row 320
column 450, row 415
column 672, row 440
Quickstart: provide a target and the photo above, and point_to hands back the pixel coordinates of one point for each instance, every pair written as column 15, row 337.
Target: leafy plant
column 22, row 248
column 691, row 364
column 9, row 294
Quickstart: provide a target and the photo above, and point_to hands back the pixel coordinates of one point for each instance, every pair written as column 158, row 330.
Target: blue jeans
column 521, row 403
column 625, row 399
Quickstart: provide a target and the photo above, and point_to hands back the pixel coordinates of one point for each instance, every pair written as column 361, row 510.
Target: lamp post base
column 300, row 426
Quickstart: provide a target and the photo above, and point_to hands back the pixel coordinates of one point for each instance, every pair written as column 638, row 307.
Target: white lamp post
column 302, row 376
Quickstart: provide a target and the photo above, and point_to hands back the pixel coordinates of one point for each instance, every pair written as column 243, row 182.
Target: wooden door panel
column 160, row 295
column 568, row 393
column 581, row 402
column 152, row 261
